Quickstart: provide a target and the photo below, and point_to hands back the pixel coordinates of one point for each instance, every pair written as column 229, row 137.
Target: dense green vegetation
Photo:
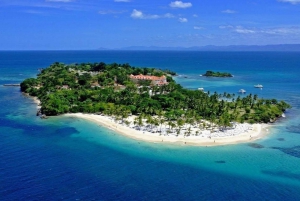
column 216, row 74
column 106, row 88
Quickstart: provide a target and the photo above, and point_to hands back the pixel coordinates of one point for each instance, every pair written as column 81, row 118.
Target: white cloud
column 65, row 1
column 198, row 28
column 240, row 29
column 229, row 11
column 182, row 19
column 195, row 15
column 290, row 1
column 266, row 31
column 122, row 0
column 136, row 14
column 282, row 31
column 226, row 27
column 180, row 4
column 33, row 12
column 169, row 15
column 105, row 12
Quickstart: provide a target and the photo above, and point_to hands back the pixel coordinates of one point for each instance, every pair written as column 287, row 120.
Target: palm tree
column 188, row 132
column 156, row 122
column 124, row 113
column 138, row 120
column 172, row 126
column 161, row 121
column 180, row 123
column 149, row 120
column 254, row 100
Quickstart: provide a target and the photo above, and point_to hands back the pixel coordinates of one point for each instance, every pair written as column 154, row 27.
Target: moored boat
column 242, row 91
column 258, row 86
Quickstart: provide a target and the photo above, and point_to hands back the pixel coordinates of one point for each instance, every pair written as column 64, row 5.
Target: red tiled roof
column 147, row 77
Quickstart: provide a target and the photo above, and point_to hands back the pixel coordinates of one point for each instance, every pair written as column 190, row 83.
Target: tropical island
column 146, row 103
column 217, row 74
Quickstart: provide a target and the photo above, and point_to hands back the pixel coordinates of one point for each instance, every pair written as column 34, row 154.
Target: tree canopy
column 217, row 74
column 106, row 88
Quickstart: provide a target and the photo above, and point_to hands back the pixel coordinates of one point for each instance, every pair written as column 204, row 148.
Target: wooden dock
column 11, row 85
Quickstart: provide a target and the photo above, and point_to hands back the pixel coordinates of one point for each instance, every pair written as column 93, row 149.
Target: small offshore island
column 217, row 74
column 147, row 104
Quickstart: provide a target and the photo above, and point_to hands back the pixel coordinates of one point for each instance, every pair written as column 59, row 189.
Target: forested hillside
column 107, row 88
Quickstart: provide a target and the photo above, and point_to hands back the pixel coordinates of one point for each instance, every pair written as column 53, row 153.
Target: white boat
column 242, row 91
column 201, row 89
column 258, row 86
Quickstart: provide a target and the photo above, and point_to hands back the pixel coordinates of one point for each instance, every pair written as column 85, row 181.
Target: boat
column 242, row 91
column 258, row 86
column 201, row 89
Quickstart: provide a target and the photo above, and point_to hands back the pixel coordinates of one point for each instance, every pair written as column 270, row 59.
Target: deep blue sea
column 64, row 158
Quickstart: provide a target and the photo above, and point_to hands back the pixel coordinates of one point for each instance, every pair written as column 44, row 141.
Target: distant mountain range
column 283, row 47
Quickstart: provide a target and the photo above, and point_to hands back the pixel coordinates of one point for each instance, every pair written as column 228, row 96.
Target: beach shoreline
column 256, row 132
column 34, row 98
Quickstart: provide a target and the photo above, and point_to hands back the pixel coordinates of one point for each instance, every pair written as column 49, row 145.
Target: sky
column 93, row 24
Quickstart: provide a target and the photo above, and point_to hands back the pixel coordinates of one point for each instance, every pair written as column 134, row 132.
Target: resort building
column 65, row 87
column 155, row 80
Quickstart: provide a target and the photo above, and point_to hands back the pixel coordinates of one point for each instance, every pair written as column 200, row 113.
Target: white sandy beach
column 241, row 133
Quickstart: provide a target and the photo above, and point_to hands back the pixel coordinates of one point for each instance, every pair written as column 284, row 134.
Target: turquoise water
column 65, row 158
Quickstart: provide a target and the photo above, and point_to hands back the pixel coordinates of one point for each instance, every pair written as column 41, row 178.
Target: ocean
column 65, row 158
